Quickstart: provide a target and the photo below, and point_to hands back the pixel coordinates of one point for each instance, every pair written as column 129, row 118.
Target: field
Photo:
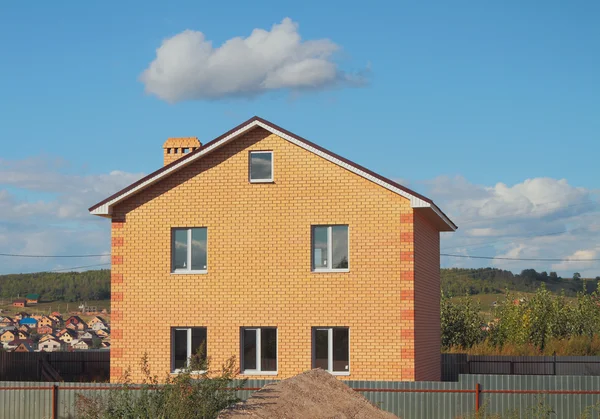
column 47, row 307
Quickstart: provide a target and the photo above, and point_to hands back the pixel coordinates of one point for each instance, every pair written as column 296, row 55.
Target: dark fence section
column 455, row 364
column 88, row 366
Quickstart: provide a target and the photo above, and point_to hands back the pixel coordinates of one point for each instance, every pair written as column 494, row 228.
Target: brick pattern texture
column 259, row 265
column 427, row 301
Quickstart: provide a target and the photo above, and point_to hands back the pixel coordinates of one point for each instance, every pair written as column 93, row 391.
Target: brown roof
column 278, row 128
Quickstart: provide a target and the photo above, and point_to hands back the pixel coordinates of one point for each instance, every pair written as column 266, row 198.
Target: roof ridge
column 258, row 121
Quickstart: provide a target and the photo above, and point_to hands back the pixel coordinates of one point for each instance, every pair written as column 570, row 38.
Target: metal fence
column 568, row 397
column 89, row 366
column 455, row 364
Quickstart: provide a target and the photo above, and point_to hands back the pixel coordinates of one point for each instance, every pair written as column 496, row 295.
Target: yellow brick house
column 269, row 248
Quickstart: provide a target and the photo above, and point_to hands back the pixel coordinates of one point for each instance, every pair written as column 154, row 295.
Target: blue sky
column 454, row 100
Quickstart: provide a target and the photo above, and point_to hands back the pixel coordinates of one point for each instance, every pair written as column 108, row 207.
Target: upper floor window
column 188, row 254
column 330, row 248
column 188, row 348
column 261, row 166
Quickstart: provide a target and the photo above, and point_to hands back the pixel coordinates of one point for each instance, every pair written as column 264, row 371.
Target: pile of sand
column 313, row 394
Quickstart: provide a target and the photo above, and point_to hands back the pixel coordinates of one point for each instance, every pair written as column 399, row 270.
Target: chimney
column 175, row 148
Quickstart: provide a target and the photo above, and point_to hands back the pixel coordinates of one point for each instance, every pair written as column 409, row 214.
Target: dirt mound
column 313, row 394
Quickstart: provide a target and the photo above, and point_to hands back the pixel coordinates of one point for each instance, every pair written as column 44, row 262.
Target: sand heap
column 313, row 394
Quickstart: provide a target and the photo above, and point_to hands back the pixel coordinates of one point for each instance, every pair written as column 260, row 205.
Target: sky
column 490, row 109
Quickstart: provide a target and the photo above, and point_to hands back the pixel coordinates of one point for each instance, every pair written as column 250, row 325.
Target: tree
column 576, row 276
column 461, row 322
column 554, row 276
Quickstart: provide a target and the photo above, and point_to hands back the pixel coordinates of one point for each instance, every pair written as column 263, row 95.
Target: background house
column 32, row 298
column 19, row 302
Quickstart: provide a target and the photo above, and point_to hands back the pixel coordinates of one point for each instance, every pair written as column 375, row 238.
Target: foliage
column 544, row 324
column 459, row 281
column 63, row 286
column 461, row 323
column 186, row 395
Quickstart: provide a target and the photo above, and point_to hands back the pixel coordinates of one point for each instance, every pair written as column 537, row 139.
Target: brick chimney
column 175, row 148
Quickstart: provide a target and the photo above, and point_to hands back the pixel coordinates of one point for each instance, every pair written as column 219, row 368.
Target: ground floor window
column 331, row 349
column 259, row 350
column 188, row 344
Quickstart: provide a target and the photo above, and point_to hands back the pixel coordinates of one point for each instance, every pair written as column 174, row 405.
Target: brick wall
column 427, row 300
column 259, row 263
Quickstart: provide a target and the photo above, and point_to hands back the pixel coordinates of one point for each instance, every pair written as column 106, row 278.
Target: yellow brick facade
column 259, row 263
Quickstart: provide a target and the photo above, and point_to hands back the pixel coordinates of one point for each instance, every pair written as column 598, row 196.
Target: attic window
column 261, row 166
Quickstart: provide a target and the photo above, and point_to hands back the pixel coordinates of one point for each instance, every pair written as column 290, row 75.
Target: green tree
column 461, row 322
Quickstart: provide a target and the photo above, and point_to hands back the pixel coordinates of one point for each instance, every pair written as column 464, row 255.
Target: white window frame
column 258, row 371
column 189, row 348
column 329, row 349
column 250, row 167
column 188, row 270
column 329, row 267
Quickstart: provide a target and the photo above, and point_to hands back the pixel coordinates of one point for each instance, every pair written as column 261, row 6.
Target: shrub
column 461, row 323
column 187, row 395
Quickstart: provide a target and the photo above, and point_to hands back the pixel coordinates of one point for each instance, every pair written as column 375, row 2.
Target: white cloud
column 540, row 218
column 44, row 211
column 188, row 67
column 579, row 255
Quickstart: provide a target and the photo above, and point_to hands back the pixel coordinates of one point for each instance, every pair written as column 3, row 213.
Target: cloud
column 71, row 193
column 579, row 255
column 187, row 67
column 44, row 211
column 540, row 218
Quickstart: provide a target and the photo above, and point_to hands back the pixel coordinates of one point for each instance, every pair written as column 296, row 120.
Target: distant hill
column 55, row 286
column 457, row 282
column 95, row 285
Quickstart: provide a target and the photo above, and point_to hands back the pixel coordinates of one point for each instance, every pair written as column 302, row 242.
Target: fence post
column 477, row 391
column 54, row 400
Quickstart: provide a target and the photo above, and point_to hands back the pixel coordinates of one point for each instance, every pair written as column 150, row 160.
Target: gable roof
column 32, row 296
column 104, row 208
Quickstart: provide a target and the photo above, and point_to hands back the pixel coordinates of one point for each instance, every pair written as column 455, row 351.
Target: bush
column 461, row 323
column 543, row 325
column 187, row 395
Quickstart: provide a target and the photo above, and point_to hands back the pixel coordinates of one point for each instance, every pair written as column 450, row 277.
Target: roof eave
column 104, row 208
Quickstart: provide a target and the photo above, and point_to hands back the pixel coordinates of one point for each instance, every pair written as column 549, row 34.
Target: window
column 331, row 349
column 261, row 166
column 259, row 350
column 189, row 250
column 185, row 150
column 330, row 248
column 188, row 344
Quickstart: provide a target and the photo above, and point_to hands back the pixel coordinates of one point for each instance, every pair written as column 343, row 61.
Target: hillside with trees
column 55, row 286
column 95, row 285
column 459, row 282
